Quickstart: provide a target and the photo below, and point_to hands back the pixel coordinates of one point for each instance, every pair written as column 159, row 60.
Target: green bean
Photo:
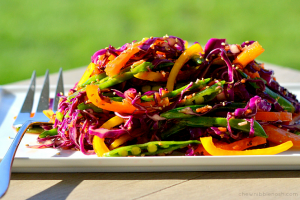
column 149, row 148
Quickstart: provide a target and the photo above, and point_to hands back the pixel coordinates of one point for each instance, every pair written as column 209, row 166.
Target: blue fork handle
column 7, row 161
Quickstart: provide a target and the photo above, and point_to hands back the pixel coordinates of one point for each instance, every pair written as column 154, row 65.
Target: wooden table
column 165, row 185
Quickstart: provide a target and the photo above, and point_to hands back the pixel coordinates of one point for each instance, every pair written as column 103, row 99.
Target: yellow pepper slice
column 195, row 49
column 50, row 115
column 119, row 141
column 89, row 70
column 215, row 151
column 98, row 143
column 151, row 76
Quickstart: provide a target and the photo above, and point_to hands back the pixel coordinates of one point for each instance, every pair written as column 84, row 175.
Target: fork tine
column 59, row 89
column 44, row 98
column 28, row 102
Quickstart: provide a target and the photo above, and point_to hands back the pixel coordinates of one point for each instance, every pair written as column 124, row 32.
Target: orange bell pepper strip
column 121, row 107
column 215, row 151
column 152, row 76
column 274, row 116
column 278, row 135
column 237, row 145
column 249, row 53
column 195, row 49
column 89, row 70
column 98, row 143
column 114, row 66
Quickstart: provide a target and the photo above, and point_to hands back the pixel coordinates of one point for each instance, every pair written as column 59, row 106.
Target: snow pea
column 201, row 121
column 51, row 132
column 119, row 78
column 205, row 95
column 94, row 78
column 196, row 85
column 178, row 113
column 283, row 102
column 149, row 148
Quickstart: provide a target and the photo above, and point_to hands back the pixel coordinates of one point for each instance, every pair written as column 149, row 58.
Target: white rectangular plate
column 55, row 160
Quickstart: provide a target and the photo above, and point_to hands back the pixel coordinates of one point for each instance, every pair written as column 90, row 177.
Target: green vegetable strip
column 196, row 85
column 283, row 102
column 51, row 132
column 178, row 113
column 84, row 106
column 108, row 82
column 238, row 124
column 119, row 78
column 205, row 95
column 94, row 78
column 149, row 148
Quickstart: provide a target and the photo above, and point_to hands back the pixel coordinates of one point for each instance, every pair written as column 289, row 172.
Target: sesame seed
column 206, row 60
column 26, row 145
column 58, row 153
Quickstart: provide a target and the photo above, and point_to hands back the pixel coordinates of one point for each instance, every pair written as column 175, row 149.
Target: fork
column 24, row 121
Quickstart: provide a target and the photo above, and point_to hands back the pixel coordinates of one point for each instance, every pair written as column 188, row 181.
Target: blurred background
column 39, row 35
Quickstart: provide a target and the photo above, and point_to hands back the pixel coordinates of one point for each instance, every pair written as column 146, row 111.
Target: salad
column 159, row 96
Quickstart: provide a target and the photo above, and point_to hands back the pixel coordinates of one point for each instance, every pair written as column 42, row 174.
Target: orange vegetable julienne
column 122, row 107
column 249, row 53
column 274, row 116
column 114, row 66
column 237, row 145
column 215, row 151
column 278, row 135
column 152, row 76
column 296, row 117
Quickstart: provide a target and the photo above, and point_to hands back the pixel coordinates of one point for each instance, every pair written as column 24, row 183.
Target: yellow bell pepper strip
column 121, row 107
column 50, row 115
column 89, row 70
column 98, row 143
column 152, row 76
column 113, row 67
column 215, row 151
column 195, row 49
column 249, row 53
column 121, row 140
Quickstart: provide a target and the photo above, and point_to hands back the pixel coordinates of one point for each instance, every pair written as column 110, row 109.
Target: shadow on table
column 69, row 181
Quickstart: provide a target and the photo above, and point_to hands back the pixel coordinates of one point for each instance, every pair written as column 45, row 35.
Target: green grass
column 39, row 35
